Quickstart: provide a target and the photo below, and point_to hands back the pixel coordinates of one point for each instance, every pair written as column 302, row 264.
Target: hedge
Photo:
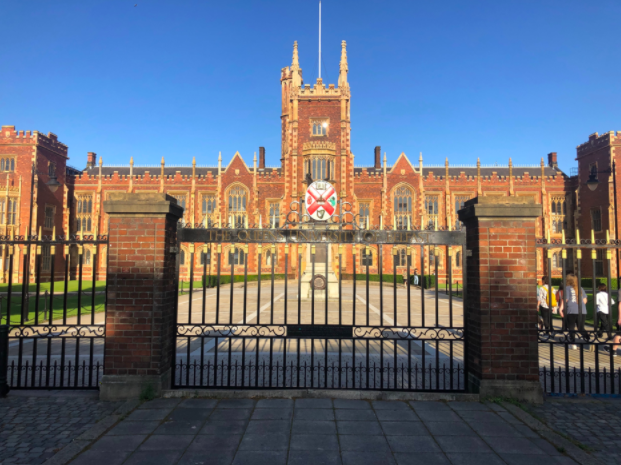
column 587, row 283
column 211, row 281
column 428, row 280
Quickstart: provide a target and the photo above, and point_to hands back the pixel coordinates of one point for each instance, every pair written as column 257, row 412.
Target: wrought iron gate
column 268, row 308
column 578, row 354
column 56, row 335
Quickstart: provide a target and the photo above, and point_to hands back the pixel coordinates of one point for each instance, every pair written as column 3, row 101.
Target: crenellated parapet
column 597, row 142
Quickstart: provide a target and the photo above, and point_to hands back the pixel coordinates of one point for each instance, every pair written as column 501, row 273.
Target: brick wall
column 500, row 311
column 141, row 295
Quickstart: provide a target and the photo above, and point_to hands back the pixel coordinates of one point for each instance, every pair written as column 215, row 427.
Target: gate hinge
column 174, row 250
column 468, row 253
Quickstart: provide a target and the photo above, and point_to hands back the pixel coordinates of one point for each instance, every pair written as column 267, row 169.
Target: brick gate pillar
column 140, row 313
column 500, row 310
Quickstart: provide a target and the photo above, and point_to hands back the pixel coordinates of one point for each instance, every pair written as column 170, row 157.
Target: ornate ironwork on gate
column 578, row 350
column 56, row 323
column 319, row 306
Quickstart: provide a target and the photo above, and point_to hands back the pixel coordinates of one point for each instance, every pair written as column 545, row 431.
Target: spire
column 296, row 71
column 343, row 69
column 295, row 63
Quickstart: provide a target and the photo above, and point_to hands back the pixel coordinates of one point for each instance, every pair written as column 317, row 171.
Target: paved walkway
column 36, row 425
column 595, row 423
column 319, row 431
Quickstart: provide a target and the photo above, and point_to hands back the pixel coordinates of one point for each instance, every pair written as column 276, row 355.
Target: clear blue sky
column 456, row 79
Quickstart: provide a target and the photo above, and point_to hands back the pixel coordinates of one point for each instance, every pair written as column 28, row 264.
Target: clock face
column 321, row 200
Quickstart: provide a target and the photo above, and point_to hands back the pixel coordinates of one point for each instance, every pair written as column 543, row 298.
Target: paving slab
column 317, row 431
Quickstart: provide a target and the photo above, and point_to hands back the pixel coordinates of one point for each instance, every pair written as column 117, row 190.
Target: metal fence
column 55, row 337
column 578, row 352
column 321, row 313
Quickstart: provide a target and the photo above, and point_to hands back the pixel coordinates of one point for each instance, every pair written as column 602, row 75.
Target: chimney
column 552, row 160
column 90, row 159
column 378, row 157
column 261, row 158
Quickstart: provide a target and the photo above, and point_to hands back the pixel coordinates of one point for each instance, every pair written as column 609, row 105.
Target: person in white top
column 603, row 312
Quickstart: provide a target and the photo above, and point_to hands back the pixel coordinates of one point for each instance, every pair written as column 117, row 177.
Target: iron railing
column 577, row 354
column 55, row 339
column 307, row 322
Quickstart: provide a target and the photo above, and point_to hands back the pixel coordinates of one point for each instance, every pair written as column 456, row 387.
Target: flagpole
column 320, row 39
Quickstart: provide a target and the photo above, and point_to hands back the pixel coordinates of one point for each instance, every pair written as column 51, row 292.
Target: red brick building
column 316, row 130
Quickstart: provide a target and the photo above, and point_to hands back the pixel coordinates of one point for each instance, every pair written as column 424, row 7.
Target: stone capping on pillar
column 142, row 204
column 500, row 207
column 500, row 310
column 142, row 294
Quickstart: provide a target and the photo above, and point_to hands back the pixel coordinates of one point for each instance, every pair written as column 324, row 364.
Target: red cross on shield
column 321, row 200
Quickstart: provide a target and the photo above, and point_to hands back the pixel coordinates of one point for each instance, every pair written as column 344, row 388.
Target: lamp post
column 592, row 184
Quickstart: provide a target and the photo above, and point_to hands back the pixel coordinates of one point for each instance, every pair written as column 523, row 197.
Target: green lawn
column 59, row 286
column 72, row 308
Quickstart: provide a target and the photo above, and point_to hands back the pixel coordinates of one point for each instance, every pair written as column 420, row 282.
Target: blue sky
column 456, row 79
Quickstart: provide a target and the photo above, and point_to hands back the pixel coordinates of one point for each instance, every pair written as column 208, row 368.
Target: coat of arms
column 320, row 200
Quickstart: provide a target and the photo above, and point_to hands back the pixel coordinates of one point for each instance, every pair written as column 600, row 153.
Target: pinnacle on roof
column 343, row 68
column 295, row 63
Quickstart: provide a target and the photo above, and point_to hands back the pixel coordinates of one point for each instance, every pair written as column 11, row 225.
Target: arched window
column 206, row 258
column 87, row 257
column 320, row 167
column 83, row 213
column 403, row 207
column 401, row 258
column 237, row 206
column 7, row 164
column 319, row 127
column 182, row 258
column 363, row 211
column 209, row 210
column 237, row 258
column 458, row 260
column 269, row 257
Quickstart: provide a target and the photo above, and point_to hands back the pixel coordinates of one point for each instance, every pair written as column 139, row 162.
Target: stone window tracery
column 209, row 210
column 238, row 257
column 274, row 213
column 7, row 164
column 431, row 210
column 319, row 127
column 558, row 209
column 460, row 200
column 364, row 209
column 403, row 207
column 84, row 211
column 320, row 167
column 10, row 217
column 237, row 206
column 401, row 258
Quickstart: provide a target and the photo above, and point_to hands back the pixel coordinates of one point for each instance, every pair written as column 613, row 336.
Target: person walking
column 561, row 305
column 575, row 311
column 603, row 312
column 546, row 301
column 416, row 279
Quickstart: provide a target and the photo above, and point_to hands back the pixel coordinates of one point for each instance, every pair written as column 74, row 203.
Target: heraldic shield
column 321, row 200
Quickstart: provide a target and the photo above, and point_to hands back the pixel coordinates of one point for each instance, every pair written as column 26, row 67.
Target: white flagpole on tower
column 319, row 38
